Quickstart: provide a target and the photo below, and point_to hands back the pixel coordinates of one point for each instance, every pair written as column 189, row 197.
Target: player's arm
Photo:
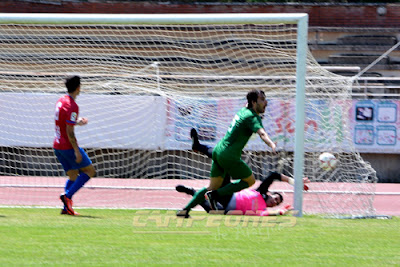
column 278, row 212
column 263, row 188
column 290, row 181
column 82, row 121
column 266, row 212
column 264, row 136
column 74, row 143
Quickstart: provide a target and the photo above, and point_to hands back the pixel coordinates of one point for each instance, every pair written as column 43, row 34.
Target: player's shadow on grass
column 89, row 216
column 84, row 216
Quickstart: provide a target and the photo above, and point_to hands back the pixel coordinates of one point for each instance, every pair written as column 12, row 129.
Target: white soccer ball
column 327, row 161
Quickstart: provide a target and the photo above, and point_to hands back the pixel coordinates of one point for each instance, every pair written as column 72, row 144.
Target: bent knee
column 250, row 180
column 90, row 171
column 72, row 174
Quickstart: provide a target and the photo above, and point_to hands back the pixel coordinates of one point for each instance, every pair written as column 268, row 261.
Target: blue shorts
column 67, row 159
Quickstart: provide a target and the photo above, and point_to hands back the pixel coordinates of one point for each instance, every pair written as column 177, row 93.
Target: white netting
column 144, row 87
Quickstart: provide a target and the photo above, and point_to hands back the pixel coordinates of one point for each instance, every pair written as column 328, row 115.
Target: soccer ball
column 327, row 161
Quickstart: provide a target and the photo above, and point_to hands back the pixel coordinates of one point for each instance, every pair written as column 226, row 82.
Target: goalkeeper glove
column 285, row 209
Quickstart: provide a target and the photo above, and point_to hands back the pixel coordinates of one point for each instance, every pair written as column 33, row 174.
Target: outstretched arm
column 281, row 211
column 291, row 181
column 263, row 188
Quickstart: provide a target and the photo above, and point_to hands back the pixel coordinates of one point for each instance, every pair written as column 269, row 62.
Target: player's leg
column 206, row 150
column 236, row 186
column 198, row 197
column 217, row 173
column 224, row 200
column 185, row 189
column 64, row 157
column 191, row 191
column 242, row 172
column 84, row 176
column 228, row 190
column 215, row 182
column 196, row 146
column 85, row 170
column 72, row 175
column 239, row 170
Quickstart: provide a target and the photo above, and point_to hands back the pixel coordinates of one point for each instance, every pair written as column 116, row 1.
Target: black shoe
column 195, row 139
column 185, row 189
column 211, row 200
column 183, row 213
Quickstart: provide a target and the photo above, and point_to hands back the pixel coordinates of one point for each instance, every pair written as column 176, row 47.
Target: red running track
column 144, row 193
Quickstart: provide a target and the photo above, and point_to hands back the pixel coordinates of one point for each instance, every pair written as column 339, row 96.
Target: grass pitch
column 35, row 236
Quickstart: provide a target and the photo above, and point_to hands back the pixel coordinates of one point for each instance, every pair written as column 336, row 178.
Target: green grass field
column 128, row 237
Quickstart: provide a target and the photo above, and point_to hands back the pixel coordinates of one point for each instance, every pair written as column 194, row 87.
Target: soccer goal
column 146, row 81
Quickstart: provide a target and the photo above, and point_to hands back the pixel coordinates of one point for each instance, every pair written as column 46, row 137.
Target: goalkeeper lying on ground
column 247, row 201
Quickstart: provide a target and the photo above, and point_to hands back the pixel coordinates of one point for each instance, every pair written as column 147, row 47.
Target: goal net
column 144, row 86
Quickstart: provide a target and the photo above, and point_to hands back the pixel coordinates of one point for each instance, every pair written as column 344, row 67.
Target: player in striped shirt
column 74, row 159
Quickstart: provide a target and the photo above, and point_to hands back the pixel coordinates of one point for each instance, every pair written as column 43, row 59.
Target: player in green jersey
column 227, row 154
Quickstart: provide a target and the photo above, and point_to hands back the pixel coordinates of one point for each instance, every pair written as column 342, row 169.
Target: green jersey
column 244, row 124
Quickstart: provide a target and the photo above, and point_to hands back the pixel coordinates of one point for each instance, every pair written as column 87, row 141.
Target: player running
column 74, row 159
column 227, row 154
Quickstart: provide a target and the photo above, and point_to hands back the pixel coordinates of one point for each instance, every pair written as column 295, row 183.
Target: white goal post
column 175, row 64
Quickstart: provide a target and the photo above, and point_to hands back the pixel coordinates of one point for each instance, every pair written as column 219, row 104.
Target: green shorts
column 223, row 165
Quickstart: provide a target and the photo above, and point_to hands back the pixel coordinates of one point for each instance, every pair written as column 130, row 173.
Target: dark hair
column 280, row 196
column 253, row 96
column 267, row 196
column 72, row 83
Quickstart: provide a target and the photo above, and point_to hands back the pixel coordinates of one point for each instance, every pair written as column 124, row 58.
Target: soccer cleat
column 64, row 212
column 195, row 139
column 211, row 200
column 183, row 213
column 67, row 204
column 185, row 189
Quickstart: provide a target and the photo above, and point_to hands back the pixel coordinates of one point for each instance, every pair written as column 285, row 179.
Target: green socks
column 197, row 199
column 229, row 189
column 232, row 187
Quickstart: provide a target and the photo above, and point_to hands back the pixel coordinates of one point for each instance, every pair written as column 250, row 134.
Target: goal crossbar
column 215, row 18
